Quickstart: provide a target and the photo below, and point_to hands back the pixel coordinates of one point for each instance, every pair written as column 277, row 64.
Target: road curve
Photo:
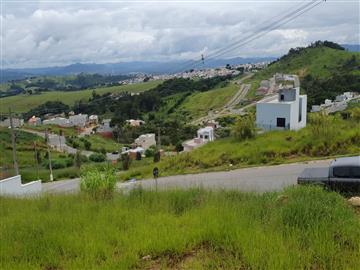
column 257, row 179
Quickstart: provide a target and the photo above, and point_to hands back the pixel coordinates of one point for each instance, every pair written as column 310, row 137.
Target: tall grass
column 301, row 228
column 98, row 184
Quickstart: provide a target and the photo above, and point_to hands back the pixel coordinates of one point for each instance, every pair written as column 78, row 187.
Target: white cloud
column 47, row 34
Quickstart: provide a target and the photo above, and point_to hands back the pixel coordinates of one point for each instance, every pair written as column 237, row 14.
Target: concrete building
column 146, row 140
column 58, row 121
column 17, row 122
column 204, row 135
column 286, row 111
column 105, row 129
column 79, row 120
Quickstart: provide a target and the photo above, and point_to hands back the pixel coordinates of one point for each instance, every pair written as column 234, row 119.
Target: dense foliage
column 49, row 107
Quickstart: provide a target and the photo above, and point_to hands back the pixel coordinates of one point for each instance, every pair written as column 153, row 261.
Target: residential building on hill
column 287, row 110
column 145, row 140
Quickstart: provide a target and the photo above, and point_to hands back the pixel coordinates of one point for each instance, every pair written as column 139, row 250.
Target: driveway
column 258, row 179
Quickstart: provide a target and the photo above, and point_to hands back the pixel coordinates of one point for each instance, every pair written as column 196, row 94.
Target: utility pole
column 49, row 154
column 13, row 140
column 159, row 140
column 36, row 160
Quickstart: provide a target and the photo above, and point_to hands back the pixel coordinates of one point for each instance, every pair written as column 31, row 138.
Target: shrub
column 244, row 128
column 97, row 157
column 99, row 185
column 126, row 161
column 87, row 144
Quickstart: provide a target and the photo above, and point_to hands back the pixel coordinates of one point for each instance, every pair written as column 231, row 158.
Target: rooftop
column 346, row 161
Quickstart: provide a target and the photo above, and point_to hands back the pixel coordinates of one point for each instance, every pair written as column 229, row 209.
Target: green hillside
column 324, row 72
column 23, row 103
column 319, row 62
column 198, row 104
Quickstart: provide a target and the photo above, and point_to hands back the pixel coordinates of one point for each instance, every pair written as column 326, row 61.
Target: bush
column 244, row 128
column 126, row 161
column 97, row 157
column 99, row 185
column 87, row 145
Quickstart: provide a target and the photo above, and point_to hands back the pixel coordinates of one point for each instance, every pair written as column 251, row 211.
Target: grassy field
column 23, row 103
column 199, row 104
column 98, row 142
column 300, row 228
column 339, row 137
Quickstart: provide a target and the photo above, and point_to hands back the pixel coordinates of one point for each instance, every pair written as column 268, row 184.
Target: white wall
column 266, row 114
column 12, row 186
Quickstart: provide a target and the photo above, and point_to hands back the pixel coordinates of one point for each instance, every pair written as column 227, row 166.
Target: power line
column 262, row 31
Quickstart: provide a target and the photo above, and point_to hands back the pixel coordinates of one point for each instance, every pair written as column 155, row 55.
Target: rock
column 146, row 258
column 354, row 201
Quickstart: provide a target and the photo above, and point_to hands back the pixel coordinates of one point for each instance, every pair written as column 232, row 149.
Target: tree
column 244, row 128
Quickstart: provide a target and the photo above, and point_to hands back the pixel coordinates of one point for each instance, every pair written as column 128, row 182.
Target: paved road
column 259, row 179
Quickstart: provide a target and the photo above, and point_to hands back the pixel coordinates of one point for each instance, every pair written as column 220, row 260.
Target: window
column 282, row 97
column 206, row 137
column 341, row 172
column 355, row 172
column 280, row 122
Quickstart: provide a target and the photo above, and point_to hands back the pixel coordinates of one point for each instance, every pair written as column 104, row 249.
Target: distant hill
column 122, row 68
column 351, row 47
column 317, row 61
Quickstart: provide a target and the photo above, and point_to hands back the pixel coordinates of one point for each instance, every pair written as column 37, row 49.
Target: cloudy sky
column 55, row 32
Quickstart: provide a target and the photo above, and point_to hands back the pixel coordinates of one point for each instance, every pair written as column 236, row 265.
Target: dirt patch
column 201, row 257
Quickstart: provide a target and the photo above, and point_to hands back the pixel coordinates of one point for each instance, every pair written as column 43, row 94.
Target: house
column 17, row 122
column 135, row 123
column 93, row 119
column 105, row 129
column 34, row 121
column 79, row 120
column 285, row 111
column 59, row 121
column 212, row 123
column 146, row 140
column 204, row 135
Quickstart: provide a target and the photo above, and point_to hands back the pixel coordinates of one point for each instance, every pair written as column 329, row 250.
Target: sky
column 59, row 32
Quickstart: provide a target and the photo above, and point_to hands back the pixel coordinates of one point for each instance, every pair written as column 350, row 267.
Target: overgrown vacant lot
column 300, row 228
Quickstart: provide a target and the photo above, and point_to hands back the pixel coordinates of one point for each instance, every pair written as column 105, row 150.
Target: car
column 343, row 175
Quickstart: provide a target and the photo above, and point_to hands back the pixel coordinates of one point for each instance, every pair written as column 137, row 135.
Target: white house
column 204, row 135
column 79, row 120
column 286, row 111
column 146, row 140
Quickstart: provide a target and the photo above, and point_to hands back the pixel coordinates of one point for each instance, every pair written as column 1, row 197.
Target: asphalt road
column 258, row 179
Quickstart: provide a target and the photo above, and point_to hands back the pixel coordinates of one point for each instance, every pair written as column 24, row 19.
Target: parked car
column 342, row 175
